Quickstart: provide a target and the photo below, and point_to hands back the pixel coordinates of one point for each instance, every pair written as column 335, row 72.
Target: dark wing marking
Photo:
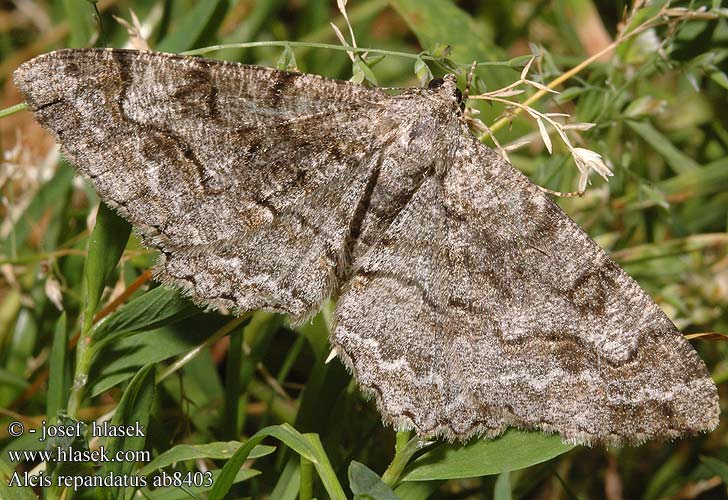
column 225, row 168
column 484, row 306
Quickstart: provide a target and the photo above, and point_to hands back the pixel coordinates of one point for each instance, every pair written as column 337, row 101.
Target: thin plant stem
column 305, row 490
column 402, row 456
column 650, row 23
column 329, row 46
column 84, row 356
column 17, row 108
column 402, row 438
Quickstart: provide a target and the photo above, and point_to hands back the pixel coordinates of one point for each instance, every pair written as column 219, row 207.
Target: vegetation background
column 203, row 383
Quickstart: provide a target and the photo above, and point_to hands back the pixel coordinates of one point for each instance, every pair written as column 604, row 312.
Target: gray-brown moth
column 467, row 300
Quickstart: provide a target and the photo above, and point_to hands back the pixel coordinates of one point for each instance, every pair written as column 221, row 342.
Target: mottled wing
column 225, row 168
column 484, row 306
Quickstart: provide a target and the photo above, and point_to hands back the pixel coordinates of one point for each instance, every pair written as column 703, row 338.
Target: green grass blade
column 134, row 408
column 218, row 450
column 305, row 490
column 289, row 482
column 105, row 247
column 192, row 27
column 82, row 20
column 194, row 492
column 284, row 433
column 231, row 407
column 58, row 371
column 324, row 469
column 718, row 467
column 677, row 160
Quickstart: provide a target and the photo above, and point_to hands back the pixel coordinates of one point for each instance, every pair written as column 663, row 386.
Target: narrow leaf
column 106, row 244
column 678, row 161
column 718, row 467
column 284, row 432
column 217, row 450
column 191, row 28
column 58, row 373
column 514, row 450
column 207, row 479
column 159, row 306
column 417, row 490
column 133, row 410
column 325, row 470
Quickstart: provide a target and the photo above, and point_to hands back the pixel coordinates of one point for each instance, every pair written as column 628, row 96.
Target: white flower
column 587, row 160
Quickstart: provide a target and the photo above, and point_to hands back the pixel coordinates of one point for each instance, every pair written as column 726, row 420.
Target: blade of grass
column 56, row 397
column 134, row 408
column 324, row 469
column 284, row 433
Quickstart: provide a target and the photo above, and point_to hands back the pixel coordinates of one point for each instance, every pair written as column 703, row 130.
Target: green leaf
column 17, row 352
column 217, row 450
column 417, row 490
column 188, row 493
column 712, row 178
column 325, row 470
column 718, row 467
column 284, row 433
column 367, row 485
column 157, row 307
column 82, row 20
column 57, row 188
column 105, row 247
column 13, row 379
column 287, row 60
column 121, row 360
column 422, row 71
column 192, row 27
column 678, row 161
column 58, row 373
column 13, row 492
column 289, row 481
column 514, row 450
column 361, row 71
column 134, row 409
column 435, row 22
column 569, row 94
column 718, row 76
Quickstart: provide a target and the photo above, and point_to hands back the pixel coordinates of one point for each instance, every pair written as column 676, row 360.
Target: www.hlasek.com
column 67, row 454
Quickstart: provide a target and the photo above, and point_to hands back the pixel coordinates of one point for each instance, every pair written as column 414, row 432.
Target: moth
column 467, row 301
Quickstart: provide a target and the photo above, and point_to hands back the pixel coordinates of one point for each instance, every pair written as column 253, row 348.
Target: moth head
column 449, row 85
